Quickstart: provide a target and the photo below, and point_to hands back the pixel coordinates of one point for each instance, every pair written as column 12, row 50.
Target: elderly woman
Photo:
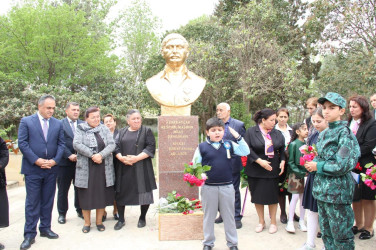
column 265, row 164
column 364, row 127
column 95, row 176
column 4, row 206
column 135, row 181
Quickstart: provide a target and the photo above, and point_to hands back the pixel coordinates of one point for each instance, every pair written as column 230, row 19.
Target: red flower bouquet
column 369, row 178
column 176, row 203
column 194, row 174
column 309, row 153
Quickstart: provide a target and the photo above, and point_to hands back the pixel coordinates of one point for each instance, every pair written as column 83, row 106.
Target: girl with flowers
column 309, row 202
column 363, row 127
column 296, row 174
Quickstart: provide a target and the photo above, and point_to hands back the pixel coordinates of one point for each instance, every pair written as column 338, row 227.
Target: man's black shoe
column 26, row 244
column 234, row 248
column 49, row 234
column 2, row 246
column 207, row 247
column 61, row 219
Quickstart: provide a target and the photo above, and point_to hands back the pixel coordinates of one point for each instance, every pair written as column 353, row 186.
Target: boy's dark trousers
column 336, row 221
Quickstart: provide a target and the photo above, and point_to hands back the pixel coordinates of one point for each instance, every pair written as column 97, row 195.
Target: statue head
column 174, row 49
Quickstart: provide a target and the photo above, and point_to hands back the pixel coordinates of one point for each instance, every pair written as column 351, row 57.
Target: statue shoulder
column 195, row 77
column 153, row 79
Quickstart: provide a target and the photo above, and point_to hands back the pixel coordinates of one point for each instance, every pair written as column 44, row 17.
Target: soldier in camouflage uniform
column 338, row 153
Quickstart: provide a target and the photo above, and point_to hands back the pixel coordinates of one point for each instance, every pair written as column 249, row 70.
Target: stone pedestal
column 181, row 227
column 177, row 142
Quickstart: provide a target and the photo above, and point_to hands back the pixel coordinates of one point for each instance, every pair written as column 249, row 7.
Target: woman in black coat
column 4, row 206
column 364, row 127
column 135, row 181
column 265, row 163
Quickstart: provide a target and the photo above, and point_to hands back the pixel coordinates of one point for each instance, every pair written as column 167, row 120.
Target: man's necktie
column 45, row 128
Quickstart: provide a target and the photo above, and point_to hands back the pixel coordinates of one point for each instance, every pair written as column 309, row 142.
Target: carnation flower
column 194, row 174
column 369, row 172
column 368, row 182
column 302, row 161
column 374, row 176
column 303, row 149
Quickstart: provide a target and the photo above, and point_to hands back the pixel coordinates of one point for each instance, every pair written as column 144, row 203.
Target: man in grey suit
column 223, row 113
column 41, row 141
column 67, row 165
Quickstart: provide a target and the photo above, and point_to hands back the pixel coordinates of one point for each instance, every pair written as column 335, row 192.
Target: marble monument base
column 177, row 142
column 181, row 226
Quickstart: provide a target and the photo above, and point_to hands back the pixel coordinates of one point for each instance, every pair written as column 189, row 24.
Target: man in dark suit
column 223, row 113
column 41, row 141
column 67, row 164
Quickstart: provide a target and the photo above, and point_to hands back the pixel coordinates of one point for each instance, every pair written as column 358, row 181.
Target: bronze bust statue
column 175, row 88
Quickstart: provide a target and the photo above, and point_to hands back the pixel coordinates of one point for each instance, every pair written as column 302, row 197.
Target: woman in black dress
column 265, row 163
column 135, row 181
column 363, row 126
column 95, row 175
column 4, row 206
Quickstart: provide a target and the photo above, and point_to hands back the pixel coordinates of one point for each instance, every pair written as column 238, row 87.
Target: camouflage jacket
column 338, row 153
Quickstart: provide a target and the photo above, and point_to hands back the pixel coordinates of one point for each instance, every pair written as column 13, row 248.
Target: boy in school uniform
column 218, row 191
column 338, row 153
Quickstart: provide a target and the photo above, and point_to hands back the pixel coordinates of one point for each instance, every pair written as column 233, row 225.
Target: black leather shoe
column 356, row 230
column 366, row 235
column 80, row 215
column 141, row 223
column 49, row 234
column 26, row 244
column 207, row 247
column 2, row 246
column 61, row 219
column 119, row 225
column 234, row 248
column 238, row 224
column 218, row 220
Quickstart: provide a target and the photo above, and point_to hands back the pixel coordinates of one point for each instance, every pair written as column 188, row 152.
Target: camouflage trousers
column 336, row 221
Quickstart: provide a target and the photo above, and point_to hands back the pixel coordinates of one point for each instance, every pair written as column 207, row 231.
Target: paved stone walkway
column 131, row 237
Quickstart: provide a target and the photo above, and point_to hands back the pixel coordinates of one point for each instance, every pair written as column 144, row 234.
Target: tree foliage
column 137, row 31
column 349, row 46
column 52, row 47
